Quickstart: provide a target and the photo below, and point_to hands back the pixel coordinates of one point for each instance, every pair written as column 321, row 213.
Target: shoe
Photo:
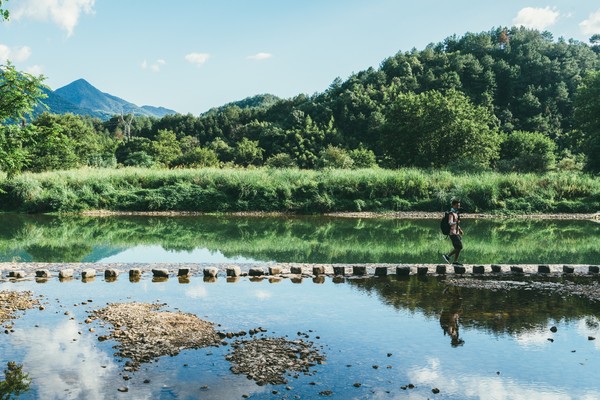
column 446, row 258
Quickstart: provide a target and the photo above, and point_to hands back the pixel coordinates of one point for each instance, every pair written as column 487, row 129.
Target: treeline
column 511, row 99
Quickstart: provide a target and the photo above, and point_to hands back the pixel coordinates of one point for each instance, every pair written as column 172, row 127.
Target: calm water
column 293, row 239
column 501, row 349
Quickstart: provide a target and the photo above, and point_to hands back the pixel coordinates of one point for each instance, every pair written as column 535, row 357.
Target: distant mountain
column 82, row 98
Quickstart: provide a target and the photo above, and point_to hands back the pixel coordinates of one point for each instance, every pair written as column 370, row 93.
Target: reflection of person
column 449, row 323
column 455, row 233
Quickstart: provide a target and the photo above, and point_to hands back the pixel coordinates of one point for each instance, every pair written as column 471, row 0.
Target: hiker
column 455, row 233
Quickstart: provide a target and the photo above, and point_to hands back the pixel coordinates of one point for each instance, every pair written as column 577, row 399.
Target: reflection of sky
column 64, row 368
column 156, row 254
column 477, row 384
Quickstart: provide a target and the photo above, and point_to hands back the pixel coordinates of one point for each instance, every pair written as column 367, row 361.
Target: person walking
column 455, row 233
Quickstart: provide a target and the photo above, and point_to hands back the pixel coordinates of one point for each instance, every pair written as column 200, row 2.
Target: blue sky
column 191, row 55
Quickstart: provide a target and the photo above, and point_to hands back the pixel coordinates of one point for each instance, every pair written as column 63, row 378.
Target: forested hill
column 510, row 99
column 525, row 78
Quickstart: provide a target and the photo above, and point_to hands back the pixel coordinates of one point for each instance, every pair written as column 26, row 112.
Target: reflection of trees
column 500, row 312
column 304, row 239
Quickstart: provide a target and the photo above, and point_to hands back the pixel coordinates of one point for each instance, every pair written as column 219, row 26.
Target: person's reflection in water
column 449, row 321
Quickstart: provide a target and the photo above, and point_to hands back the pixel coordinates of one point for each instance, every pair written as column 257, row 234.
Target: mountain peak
column 84, row 95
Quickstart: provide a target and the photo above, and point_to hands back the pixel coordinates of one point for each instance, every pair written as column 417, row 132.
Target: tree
column 165, row 147
column 3, row 13
column 433, row 129
column 19, row 93
column 15, row 382
column 248, row 152
column 587, row 112
column 334, row 157
column 524, row 151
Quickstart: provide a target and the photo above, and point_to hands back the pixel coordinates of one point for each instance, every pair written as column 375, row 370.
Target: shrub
column 524, row 151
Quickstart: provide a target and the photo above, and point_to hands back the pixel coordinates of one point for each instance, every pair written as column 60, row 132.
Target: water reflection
column 63, row 363
column 290, row 239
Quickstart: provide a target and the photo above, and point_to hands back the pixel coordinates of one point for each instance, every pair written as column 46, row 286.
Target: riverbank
column 213, row 190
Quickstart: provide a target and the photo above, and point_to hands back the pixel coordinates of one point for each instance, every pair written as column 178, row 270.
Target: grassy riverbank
column 297, row 191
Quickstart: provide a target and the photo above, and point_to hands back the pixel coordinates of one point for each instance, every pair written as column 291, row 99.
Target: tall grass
column 298, row 191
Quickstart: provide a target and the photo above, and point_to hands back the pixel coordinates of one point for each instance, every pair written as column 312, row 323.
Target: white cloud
column 155, row 66
column 197, row 58
column 591, row 25
column 35, row 70
column 536, row 18
column 14, row 54
column 64, row 13
column 260, row 56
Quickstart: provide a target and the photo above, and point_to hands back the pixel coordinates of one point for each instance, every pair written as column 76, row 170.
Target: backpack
column 444, row 224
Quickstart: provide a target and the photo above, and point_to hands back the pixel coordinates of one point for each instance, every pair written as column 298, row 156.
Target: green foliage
column 15, row 382
column 165, row 148
column 586, row 116
column 14, row 155
column 362, row 158
column 197, row 158
column 433, row 129
column 334, row 157
column 299, row 191
column 248, row 152
column 280, row 160
column 523, row 151
column 19, row 91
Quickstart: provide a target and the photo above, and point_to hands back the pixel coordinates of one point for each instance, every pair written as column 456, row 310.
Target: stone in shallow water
column 403, row 271
column 42, row 273
column 256, row 271
column 543, row 269
column 274, row 270
column 160, row 273
column 233, row 271
column 337, row 270
column 111, row 273
column 211, row 272
column 65, row 273
column 318, row 270
column 296, row 270
column 359, row 270
column 381, row 271
column 88, row 273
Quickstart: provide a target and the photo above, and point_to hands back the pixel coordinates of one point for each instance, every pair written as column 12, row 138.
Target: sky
column 192, row 55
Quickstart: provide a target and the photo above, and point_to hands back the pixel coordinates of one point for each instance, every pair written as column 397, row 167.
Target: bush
column 524, row 151
column 362, row 158
column 281, row 160
column 334, row 157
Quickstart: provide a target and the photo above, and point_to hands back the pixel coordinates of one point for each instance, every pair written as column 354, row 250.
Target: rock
column 233, row 271
column 402, row 271
column 516, row 270
column 459, row 269
column 593, row 269
column 275, row 270
column 160, row 273
column 440, row 269
column 568, row 269
column 135, row 273
column 296, row 270
column 65, row 273
column 318, row 270
column 42, row 273
column 256, row 271
column 359, row 270
column 553, row 329
column 591, row 338
column 543, row 269
column 421, row 271
column 17, row 274
column 339, row 271
column 111, row 273
column 478, row 269
column 381, row 271
column 496, row 268
column 88, row 273
column 435, row 390
column 123, row 389
column 357, row 384
column 211, row 272
column 183, row 272
column 326, row 393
